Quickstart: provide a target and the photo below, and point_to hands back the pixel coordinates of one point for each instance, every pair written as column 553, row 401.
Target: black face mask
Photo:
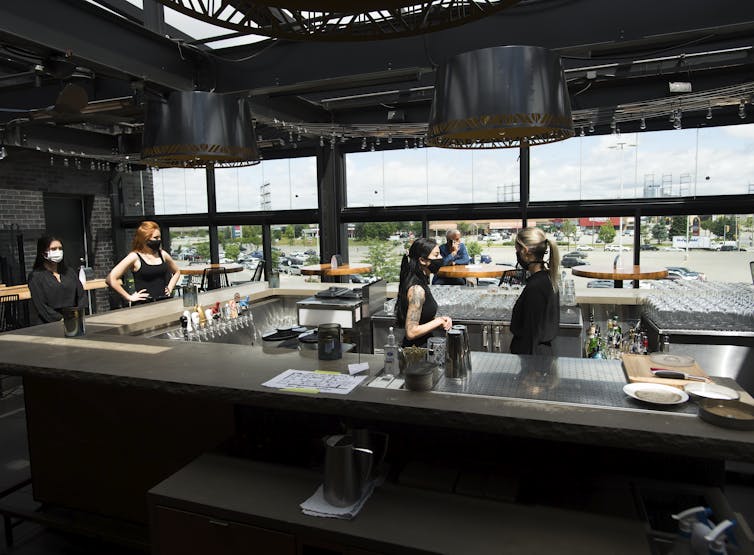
column 435, row 264
column 521, row 262
column 154, row 244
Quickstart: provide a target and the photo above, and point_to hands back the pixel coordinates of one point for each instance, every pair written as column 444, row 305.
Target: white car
column 615, row 248
column 584, row 248
column 672, row 249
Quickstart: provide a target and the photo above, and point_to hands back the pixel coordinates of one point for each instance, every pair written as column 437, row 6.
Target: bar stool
column 214, row 278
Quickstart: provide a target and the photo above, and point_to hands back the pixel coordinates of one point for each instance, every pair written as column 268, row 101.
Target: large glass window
column 486, row 241
column 287, row 184
column 180, row 191
column 381, row 244
column 431, row 176
column 683, row 162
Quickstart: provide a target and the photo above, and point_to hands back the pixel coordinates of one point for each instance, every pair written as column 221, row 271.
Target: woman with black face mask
column 150, row 266
column 415, row 308
column 536, row 314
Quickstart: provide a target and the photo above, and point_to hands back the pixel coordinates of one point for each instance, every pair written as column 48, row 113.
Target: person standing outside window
column 155, row 272
column 453, row 253
column 536, row 315
column 52, row 284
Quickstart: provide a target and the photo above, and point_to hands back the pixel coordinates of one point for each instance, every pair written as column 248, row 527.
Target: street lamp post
column 620, row 145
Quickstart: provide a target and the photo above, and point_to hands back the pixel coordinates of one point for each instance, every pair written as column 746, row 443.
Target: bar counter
column 112, row 414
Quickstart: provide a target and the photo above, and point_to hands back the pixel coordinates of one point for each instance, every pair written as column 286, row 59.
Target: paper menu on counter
column 316, row 381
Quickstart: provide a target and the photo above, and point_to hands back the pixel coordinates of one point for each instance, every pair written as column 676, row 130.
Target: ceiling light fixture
column 500, row 97
column 742, row 110
column 643, row 124
column 197, row 128
column 709, row 113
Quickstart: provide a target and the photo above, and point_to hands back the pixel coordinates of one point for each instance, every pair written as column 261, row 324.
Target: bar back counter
column 528, row 455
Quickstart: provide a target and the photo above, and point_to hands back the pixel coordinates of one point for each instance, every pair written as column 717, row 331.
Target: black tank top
column 152, row 277
column 429, row 310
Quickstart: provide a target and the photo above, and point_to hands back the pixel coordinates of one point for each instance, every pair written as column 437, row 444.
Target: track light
column 582, row 132
column 321, row 141
column 377, row 141
column 742, row 110
column 364, row 143
column 3, row 153
column 709, row 113
column 643, row 124
column 591, row 127
column 371, row 147
column 405, row 144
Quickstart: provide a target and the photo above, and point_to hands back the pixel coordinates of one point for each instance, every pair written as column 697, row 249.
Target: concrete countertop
column 234, row 373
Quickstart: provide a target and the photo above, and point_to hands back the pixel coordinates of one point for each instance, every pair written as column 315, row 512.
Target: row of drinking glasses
column 697, row 305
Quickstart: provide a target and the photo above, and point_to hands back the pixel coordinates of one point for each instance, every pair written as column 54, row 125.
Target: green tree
column 678, row 226
column 202, row 249
column 289, row 233
column 474, row 249
column 232, row 250
column 224, row 233
column 659, row 232
column 569, row 229
column 717, row 226
column 606, row 232
column 464, row 228
column 385, row 263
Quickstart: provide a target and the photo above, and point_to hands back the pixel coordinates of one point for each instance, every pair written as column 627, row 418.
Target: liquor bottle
column 391, row 355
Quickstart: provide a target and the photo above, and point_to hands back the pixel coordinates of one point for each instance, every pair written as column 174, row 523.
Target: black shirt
column 48, row 295
column 429, row 309
column 536, row 317
column 152, row 277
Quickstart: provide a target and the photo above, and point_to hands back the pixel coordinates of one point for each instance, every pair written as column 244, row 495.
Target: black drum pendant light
column 500, row 97
column 194, row 128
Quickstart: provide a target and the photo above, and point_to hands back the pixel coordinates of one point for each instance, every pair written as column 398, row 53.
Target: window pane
column 271, row 185
column 293, row 246
column 180, row 191
column 382, row 245
column 488, row 242
column 189, row 245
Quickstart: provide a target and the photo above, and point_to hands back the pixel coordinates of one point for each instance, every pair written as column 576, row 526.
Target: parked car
column 685, row 273
column 357, row 278
column 647, row 247
column 575, row 254
column 731, row 248
column 485, row 259
column 496, row 237
column 310, row 252
column 616, row 248
column 600, row 284
column 257, row 254
column 672, row 249
column 584, row 248
column 571, row 261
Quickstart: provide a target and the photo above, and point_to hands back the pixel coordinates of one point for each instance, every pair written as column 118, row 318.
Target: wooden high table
column 199, row 271
column 342, row 270
column 472, row 270
column 634, row 272
column 24, row 294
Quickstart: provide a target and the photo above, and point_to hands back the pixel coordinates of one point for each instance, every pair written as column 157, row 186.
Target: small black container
column 328, row 342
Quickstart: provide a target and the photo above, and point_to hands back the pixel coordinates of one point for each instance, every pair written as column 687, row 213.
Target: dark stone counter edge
column 580, row 424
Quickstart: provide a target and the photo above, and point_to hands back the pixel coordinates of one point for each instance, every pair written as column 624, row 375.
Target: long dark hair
column 43, row 245
column 412, row 273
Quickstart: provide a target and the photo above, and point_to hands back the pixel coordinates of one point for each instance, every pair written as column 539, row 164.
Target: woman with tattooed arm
column 415, row 308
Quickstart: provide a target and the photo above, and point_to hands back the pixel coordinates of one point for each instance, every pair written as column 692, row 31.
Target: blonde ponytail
column 554, row 263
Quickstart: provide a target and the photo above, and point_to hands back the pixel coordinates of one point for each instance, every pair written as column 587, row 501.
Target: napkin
column 316, row 505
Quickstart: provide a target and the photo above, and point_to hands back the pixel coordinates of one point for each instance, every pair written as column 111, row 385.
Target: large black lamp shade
column 500, row 97
column 194, row 128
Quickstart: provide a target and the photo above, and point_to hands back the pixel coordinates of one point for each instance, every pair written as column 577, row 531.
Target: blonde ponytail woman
column 536, row 314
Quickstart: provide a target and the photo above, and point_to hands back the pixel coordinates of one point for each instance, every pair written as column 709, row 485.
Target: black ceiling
column 619, row 58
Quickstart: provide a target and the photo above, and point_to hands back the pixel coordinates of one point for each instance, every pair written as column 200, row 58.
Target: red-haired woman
column 150, row 266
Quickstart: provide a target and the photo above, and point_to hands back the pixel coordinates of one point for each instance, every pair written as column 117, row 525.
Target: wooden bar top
column 24, row 294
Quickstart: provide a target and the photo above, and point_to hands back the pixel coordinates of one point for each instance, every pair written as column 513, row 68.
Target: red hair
column 142, row 235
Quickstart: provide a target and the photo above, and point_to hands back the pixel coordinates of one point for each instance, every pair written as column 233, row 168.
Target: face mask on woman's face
column 154, row 244
column 520, row 259
column 435, row 264
column 55, row 256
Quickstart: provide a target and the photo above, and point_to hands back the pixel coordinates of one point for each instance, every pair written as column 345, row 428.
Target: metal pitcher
column 73, row 321
column 466, row 346
column 347, row 470
column 455, row 359
column 190, row 296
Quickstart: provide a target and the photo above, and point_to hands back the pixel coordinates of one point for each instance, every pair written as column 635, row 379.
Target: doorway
column 65, row 218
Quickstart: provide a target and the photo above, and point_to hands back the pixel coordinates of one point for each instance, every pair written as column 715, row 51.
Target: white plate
column 656, row 393
column 710, row 391
column 667, row 359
